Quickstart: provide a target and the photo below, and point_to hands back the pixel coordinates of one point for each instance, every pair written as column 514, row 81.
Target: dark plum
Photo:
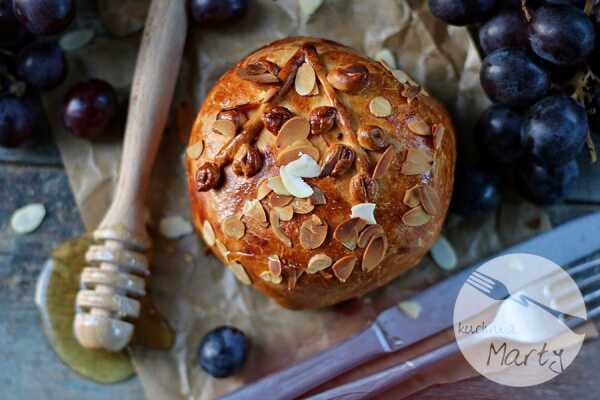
column 462, row 12
column 45, row 17
column 217, row 11
column 506, row 29
column 12, row 33
column 42, row 65
column 512, row 77
column 223, row 351
column 90, row 108
column 554, row 130
column 18, row 119
column 562, row 35
column 499, row 134
column 476, row 192
column 544, row 184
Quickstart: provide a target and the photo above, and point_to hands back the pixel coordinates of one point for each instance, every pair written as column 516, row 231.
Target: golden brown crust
column 422, row 153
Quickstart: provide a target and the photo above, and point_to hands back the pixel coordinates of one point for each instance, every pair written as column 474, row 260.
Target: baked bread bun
column 318, row 175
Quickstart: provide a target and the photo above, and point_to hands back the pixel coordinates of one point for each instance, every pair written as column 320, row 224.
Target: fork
column 380, row 382
column 497, row 290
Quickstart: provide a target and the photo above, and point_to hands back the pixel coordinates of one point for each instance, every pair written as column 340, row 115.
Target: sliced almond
column 195, row 151
column 418, row 126
column 374, row 253
column 317, row 198
column 28, row 218
column 302, row 206
column 430, row 200
column 347, row 232
column 438, row 135
column 313, row 232
column 293, row 130
column 384, row 163
column 411, row 196
column 343, row 267
column 416, row 217
column 444, row 254
column 364, row 211
column 295, row 184
column 293, row 152
column 305, row 80
column 276, row 184
column 369, row 233
column 386, row 57
column 285, row 213
column 263, row 189
column 304, row 167
column 223, row 250
column 233, row 227
column 240, row 272
column 267, row 276
column 253, row 209
column 418, row 161
column 274, row 264
column 412, row 309
column 380, row 107
column 274, row 220
column 208, row 233
column 276, row 200
column 225, row 127
column 175, row 227
column 318, row 262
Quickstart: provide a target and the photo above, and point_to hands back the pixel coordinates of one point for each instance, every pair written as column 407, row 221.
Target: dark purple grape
column 511, row 77
column 499, row 134
column 544, row 184
column 462, row 12
column 42, row 65
column 506, row 29
column 510, row 3
column 89, row 108
column 18, row 119
column 45, row 17
column 476, row 192
column 554, row 130
column 217, row 11
column 562, row 35
column 223, row 351
column 12, row 33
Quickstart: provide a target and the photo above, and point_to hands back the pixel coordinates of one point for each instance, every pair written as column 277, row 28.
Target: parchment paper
column 190, row 288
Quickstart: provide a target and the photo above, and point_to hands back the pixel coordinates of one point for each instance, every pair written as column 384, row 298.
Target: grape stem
column 525, row 10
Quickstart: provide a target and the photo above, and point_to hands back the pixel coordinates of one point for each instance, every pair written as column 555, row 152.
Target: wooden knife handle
column 298, row 379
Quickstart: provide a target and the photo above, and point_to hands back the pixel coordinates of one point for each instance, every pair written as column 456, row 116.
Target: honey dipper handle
column 156, row 71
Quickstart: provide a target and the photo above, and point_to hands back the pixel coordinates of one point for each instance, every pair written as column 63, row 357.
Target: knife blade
column 393, row 331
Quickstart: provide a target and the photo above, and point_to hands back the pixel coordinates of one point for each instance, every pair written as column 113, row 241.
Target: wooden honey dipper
column 111, row 287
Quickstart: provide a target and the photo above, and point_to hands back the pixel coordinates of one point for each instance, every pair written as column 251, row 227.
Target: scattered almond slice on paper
column 364, row 211
column 411, row 309
column 443, row 254
column 175, row 227
column 28, row 218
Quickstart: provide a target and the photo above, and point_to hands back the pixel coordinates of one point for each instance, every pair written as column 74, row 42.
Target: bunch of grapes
column 32, row 61
column 541, row 69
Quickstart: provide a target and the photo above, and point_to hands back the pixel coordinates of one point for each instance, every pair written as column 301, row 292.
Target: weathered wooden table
column 30, row 370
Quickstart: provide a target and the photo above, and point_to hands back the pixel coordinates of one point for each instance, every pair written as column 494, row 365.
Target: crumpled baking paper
column 191, row 289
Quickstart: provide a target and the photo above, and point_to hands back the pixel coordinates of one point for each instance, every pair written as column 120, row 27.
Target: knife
column 392, row 330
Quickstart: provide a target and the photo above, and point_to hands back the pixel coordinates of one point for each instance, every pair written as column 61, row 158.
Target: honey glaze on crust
column 316, row 174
